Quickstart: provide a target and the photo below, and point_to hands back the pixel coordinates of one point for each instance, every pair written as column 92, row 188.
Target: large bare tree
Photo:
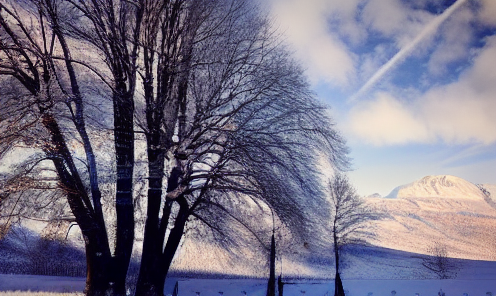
column 36, row 53
column 230, row 126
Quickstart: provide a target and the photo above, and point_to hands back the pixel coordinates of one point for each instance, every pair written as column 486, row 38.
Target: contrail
column 407, row 50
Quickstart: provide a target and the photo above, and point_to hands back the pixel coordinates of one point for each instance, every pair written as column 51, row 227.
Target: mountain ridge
column 440, row 186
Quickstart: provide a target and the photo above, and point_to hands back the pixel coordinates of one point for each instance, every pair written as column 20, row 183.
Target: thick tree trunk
column 124, row 154
column 97, row 269
column 152, row 249
column 174, row 239
column 153, row 272
column 271, row 285
column 94, row 232
column 153, row 240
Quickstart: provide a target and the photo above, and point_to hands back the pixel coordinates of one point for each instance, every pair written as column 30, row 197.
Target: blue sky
column 411, row 84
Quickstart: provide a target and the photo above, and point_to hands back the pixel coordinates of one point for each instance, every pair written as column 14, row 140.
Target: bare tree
column 230, row 126
column 439, row 261
column 349, row 220
column 47, row 112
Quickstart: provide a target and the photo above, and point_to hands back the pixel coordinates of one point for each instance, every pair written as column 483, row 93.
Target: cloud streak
column 404, row 52
column 461, row 112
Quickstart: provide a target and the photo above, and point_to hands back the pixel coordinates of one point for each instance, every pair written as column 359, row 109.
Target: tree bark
column 97, row 267
column 338, row 289
column 338, row 284
column 154, row 269
column 280, row 285
column 124, row 155
column 174, row 239
column 94, row 233
column 153, row 242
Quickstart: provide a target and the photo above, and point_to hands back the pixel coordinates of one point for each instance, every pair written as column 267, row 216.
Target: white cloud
column 305, row 23
column 458, row 113
column 324, row 31
column 457, row 35
column 392, row 18
column 410, row 45
column 386, row 121
column 488, row 12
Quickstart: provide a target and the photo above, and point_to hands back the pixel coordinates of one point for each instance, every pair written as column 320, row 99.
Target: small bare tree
column 439, row 261
column 349, row 220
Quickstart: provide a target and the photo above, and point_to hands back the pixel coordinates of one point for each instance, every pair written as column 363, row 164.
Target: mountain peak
column 444, row 186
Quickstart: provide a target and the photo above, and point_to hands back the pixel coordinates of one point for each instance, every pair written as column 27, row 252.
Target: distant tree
column 439, row 261
column 350, row 219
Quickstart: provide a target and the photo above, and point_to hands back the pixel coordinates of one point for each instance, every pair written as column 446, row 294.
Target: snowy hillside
column 444, row 209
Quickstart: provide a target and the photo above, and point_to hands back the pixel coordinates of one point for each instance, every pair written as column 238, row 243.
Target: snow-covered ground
column 440, row 209
column 257, row 287
column 352, row 287
column 373, row 272
column 17, row 282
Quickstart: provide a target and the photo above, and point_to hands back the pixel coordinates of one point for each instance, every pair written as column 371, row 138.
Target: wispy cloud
column 320, row 50
column 405, row 51
column 461, row 112
column 344, row 42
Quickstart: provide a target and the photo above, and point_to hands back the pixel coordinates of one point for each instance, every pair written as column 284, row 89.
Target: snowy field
column 352, row 287
column 213, row 287
column 367, row 271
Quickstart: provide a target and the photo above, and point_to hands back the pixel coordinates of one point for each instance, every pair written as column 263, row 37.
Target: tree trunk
column 153, row 241
column 152, row 249
column 174, row 239
column 97, row 275
column 280, row 285
column 338, row 284
column 94, row 232
column 153, row 272
column 271, row 285
column 124, row 154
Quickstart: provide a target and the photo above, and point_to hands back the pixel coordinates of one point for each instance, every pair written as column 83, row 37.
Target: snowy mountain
column 438, row 186
column 443, row 209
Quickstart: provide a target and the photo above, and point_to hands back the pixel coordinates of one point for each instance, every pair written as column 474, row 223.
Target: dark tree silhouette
column 230, row 127
column 439, row 261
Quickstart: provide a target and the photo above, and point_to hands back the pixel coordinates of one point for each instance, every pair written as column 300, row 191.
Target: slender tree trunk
column 338, row 284
column 338, row 290
column 271, row 285
column 336, row 254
